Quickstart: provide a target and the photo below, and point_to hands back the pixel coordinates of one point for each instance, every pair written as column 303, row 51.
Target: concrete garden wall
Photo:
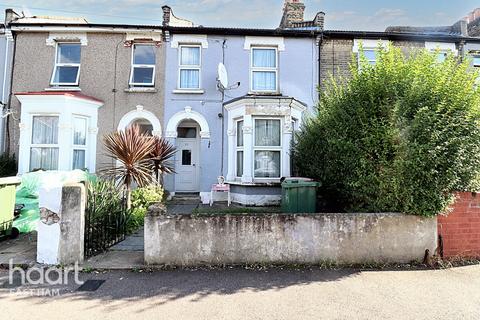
column 304, row 239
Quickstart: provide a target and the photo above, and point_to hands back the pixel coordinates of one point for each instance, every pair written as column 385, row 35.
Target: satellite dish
column 222, row 75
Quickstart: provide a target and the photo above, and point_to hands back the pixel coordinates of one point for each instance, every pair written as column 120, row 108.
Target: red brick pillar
column 460, row 230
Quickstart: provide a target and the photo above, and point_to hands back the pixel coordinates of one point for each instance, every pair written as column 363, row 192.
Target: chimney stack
column 293, row 11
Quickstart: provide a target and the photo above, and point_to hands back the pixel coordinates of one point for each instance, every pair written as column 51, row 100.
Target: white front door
column 186, row 178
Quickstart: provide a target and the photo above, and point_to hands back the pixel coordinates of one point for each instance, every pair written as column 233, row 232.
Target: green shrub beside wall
column 400, row 136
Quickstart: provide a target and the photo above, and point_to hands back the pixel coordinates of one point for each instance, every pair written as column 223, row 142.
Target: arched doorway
column 186, row 130
column 147, row 121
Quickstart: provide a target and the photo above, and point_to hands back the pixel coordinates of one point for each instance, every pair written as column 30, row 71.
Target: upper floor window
column 143, row 65
column 67, row 64
column 264, row 70
column 476, row 60
column 189, row 67
column 370, row 56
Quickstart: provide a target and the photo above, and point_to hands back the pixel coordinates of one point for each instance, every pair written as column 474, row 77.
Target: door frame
column 195, row 158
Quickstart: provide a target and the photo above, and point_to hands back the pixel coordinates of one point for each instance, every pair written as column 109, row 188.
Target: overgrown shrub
column 142, row 198
column 8, row 165
column 401, row 135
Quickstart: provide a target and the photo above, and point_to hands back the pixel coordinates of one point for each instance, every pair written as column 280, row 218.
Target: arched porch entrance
column 187, row 130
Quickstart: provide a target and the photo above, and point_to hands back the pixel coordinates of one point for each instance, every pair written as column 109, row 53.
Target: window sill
column 264, row 93
column 63, row 89
column 141, row 90
column 267, row 183
column 189, row 91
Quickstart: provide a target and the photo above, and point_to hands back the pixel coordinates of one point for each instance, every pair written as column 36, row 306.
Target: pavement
column 253, row 294
column 21, row 251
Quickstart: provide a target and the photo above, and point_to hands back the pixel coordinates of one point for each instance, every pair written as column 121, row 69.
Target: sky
column 367, row 15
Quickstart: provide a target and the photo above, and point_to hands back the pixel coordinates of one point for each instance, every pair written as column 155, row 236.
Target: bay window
column 239, row 155
column 143, row 65
column 264, row 69
column 267, row 148
column 67, row 64
column 79, row 143
column 189, row 67
column 44, row 143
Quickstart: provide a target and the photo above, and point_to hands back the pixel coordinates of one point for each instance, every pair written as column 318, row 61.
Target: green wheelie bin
column 299, row 195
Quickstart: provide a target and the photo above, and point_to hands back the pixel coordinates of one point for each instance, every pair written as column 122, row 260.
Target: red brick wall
column 460, row 230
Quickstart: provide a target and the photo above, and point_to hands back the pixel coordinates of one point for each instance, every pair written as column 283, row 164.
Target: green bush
column 8, row 165
column 104, row 198
column 401, row 135
column 142, row 198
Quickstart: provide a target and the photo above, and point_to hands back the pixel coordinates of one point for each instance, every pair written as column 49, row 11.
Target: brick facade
column 460, row 230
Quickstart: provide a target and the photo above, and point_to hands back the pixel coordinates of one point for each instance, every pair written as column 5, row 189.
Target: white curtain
column 190, row 56
column 240, row 134
column 43, row 158
column 264, row 81
column 267, row 164
column 267, row 132
column 189, row 79
column 239, row 163
column 80, row 131
column 78, row 159
column 45, row 130
column 264, row 58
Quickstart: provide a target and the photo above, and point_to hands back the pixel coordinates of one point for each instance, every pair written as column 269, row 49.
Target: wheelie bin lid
column 8, row 181
column 299, row 182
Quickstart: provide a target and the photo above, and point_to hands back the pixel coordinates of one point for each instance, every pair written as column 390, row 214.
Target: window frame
column 76, row 147
column 189, row 67
column 57, row 64
column 264, row 69
column 237, row 147
column 278, row 148
column 43, row 145
column 142, row 66
column 359, row 56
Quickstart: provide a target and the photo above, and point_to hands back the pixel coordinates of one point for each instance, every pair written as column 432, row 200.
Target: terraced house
column 74, row 81
column 229, row 99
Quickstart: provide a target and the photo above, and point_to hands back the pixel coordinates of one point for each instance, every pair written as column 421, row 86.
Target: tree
column 131, row 152
column 160, row 155
column 401, row 135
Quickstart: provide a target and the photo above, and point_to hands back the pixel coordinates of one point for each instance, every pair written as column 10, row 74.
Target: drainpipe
column 319, row 43
column 5, row 69
column 10, row 94
column 223, row 115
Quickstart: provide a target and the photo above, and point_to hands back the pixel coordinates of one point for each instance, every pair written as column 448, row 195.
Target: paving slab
column 116, row 260
column 133, row 242
column 22, row 250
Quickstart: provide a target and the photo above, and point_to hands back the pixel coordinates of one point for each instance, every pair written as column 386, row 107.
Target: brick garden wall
column 460, row 230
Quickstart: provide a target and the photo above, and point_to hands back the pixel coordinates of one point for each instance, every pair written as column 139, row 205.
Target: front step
column 186, row 198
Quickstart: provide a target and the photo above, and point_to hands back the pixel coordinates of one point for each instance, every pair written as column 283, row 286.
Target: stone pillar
column 154, row 216
column 62, row 225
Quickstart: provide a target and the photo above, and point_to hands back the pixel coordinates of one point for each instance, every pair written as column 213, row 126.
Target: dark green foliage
column 402, row 135
column 8, row 165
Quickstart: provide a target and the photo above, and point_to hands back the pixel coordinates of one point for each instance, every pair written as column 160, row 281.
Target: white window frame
column 189, row 67
column 237, row 147
column 264, row 69
column 57, row 64
column 375, row 50
column 77, row 146
column 278, row 148
column 473, row 55
column 43, row 145
column 144, row 66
